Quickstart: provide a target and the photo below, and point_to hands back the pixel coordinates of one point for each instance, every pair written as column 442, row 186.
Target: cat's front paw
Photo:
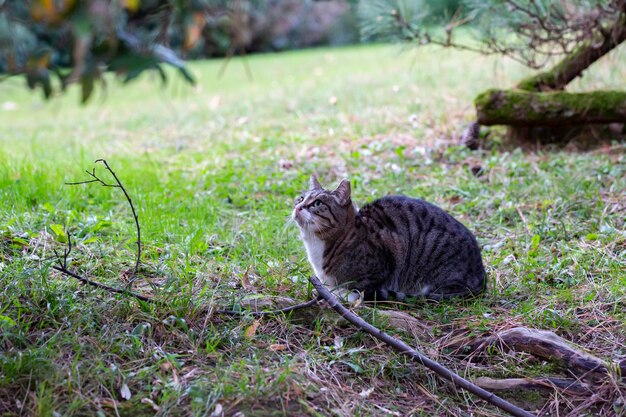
column 351, row 297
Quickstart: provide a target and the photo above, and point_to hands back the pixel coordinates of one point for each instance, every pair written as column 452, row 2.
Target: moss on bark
column 524, row 108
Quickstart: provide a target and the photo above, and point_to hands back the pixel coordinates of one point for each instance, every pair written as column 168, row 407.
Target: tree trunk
column 537, row 109
column 527, row 109
column 574, row 64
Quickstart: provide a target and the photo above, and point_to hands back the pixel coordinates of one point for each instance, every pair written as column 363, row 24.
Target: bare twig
column 238, row 37
column 62, row 260
column 130, row 202
column 543, row 32
column 405, row 349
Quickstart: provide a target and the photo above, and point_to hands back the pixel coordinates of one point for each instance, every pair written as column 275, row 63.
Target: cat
column 396, row 246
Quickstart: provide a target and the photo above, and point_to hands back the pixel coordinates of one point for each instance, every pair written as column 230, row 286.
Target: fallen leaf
column 150, row 403
column 107, row 402
column 366, row 392
column 175, row 378
column 276, row 347
column 338, row 342
column 245, row 281
column 166, row 366
column 477, row 170
column 125, row 392
column 218, row 410
column 251, row 331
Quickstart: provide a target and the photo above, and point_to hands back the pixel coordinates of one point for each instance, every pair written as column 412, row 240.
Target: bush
column 276, row 25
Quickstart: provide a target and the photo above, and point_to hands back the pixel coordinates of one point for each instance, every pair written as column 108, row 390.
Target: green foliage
column 56, row 43
column 530, row 31
column 379, row 18
column 543, row 28
column 394, row 20
column 76, row 41
column 261, row 26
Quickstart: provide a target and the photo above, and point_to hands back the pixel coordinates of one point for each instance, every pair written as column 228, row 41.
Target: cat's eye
column 299, row 199
column 317, row 203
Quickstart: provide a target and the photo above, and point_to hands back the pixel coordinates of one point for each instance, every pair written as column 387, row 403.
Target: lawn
column 213, row 170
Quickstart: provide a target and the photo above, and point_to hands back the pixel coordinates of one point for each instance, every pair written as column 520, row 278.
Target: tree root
column 570, row 386
column 547, row 345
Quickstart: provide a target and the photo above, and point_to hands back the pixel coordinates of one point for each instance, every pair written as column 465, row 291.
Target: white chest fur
column 315, row 251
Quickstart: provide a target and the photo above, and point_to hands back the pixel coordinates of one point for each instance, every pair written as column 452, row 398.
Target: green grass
column 213, row 171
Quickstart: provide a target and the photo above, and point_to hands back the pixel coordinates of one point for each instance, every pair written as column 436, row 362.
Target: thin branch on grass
column 130, row 202
column 62, row 267
column 405, row 349
column 62, row 260
column 102, row 286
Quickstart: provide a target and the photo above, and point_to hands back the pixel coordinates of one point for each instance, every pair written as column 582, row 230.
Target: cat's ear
column 314, row 184
column 343, row 191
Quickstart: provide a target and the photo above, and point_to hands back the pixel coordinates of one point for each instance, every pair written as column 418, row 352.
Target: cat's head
column 323, row 212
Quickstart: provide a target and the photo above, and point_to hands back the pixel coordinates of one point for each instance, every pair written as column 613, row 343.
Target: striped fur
column 396, row 246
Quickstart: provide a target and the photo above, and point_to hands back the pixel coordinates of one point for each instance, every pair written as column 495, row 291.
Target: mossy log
column 538, row 108
column 557, row 108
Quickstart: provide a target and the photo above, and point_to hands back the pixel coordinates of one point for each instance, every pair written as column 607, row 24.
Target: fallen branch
column 547, row 345
column 405, row 349
column 555, row 108
column 102, row 286
column 571, row 386
column 62, row 267
column 62, row 261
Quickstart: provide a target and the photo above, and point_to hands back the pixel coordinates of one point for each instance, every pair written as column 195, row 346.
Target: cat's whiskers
column 289, row 222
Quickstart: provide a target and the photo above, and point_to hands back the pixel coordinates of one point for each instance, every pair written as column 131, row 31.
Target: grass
column 213, row 171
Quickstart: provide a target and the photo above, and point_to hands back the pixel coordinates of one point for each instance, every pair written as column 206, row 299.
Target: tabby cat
column 395, row 246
